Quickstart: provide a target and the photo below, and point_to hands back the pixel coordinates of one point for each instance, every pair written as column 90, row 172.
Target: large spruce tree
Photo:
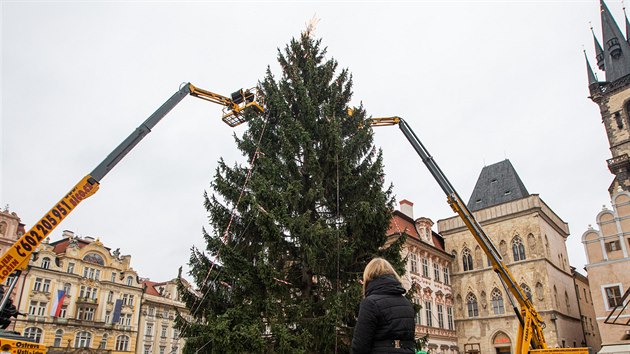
column 313, row 213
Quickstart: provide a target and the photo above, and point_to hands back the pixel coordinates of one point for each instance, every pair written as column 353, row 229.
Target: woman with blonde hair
column 386, row 317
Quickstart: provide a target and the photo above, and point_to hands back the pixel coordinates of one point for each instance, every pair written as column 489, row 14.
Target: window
column 175, row 334
column 130, row 280
column 497, row 302
column 418, row 316
column 147, row 349
column 436, row 271
column 149, row 330
column 45, row 262
column 467, row 260
column 34, row 333
column 85, row 313
column 164, row 329
column 110, row 296
column 566, row 298
column 613, row 296
column 130, row 300
column 162, row 349
column 585, row 296
column 413, row 262
column 471, row 303
column 87, row 292
column 125, row 319
column 108, row 316
column 613, row 246
column 66, row 288
column 429, row 313
column 151, row 311
column 440, row 315
column 62, row 313
column 70, row 267
column 447, row 279
column 113, row 277
column 122, row 343
column 37, row 308
column 518, row 249
column 125, row 299
column 46, row 287
column 37, row 286
column 425, row 267
column 449, row 315
column 103, row 344
column 58, row 337
column 83, row 340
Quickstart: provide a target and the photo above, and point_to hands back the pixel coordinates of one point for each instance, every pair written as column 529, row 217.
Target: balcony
column 618, row 163
column 87, row 300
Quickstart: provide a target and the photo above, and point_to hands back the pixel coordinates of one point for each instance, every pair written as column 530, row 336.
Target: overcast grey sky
column 478, row 82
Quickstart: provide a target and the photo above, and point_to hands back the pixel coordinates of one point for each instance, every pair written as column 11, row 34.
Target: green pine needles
column 313, row 213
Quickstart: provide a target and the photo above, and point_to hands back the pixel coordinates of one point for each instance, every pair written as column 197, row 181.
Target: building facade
column 160, row 306
column 531, row 240
column 428, row 274
column 78, row 294
column 607, row 246
column 592, row 337
column 11, row 229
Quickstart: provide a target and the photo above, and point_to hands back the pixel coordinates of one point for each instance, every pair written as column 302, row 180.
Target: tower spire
column 625, row 15
column 617, row 50
column 599, row 52
column 592, row 78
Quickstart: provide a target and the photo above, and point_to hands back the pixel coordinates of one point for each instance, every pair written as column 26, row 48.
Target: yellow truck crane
column 530, row 331
column 16, row 258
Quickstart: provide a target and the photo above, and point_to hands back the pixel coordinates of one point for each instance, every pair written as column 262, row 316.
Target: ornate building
column 607, row 247
column 11, row 229
column 428, row 272
column 160, row 306
column 78, row 294
column 531, row 239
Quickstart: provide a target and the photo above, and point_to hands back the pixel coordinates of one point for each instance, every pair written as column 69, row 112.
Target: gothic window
column 518, row 250
column 467, row 260
column 122, row 343
column 527, row 291
column 34, row 333
column 555, row 296
column 471, row 304
column 566, row 298
column 45, row 263
column 497, row 302
column 58, row 337
column 627, row 105
column 547, row 246
column 618, row 120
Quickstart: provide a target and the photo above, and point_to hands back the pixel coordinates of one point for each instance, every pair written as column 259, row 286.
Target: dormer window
column 613, row 47
column 507, row 192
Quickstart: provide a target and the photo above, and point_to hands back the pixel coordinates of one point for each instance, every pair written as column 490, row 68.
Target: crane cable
column 225, row 238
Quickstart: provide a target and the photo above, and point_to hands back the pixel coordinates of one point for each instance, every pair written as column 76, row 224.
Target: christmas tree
column 292, row 230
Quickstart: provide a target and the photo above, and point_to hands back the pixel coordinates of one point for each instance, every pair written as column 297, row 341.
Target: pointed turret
column 616, row 49
column 625, row 15
column 599, row 52
column 592, row 79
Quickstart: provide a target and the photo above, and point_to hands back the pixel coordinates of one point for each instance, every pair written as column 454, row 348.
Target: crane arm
column 531, row 323
column 18, row 255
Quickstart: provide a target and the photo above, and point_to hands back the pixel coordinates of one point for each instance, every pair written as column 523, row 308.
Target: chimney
column 406, row 207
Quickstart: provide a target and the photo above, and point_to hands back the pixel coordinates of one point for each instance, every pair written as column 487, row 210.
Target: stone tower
column 613, row 94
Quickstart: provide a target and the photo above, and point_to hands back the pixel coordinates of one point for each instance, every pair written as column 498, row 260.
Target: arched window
column 471, row 304
column 566, row 298
column 34, row 333
column 122, row 343
column 130, row 280
column 83, row 340
column 527, row 291
column 45, row 262
column 58, row 337
column 497, row 302
column 518, row 250
column 467, row 260
column 103, row 344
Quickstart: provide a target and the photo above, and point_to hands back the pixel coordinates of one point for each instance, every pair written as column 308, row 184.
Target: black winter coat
column 385, row 314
